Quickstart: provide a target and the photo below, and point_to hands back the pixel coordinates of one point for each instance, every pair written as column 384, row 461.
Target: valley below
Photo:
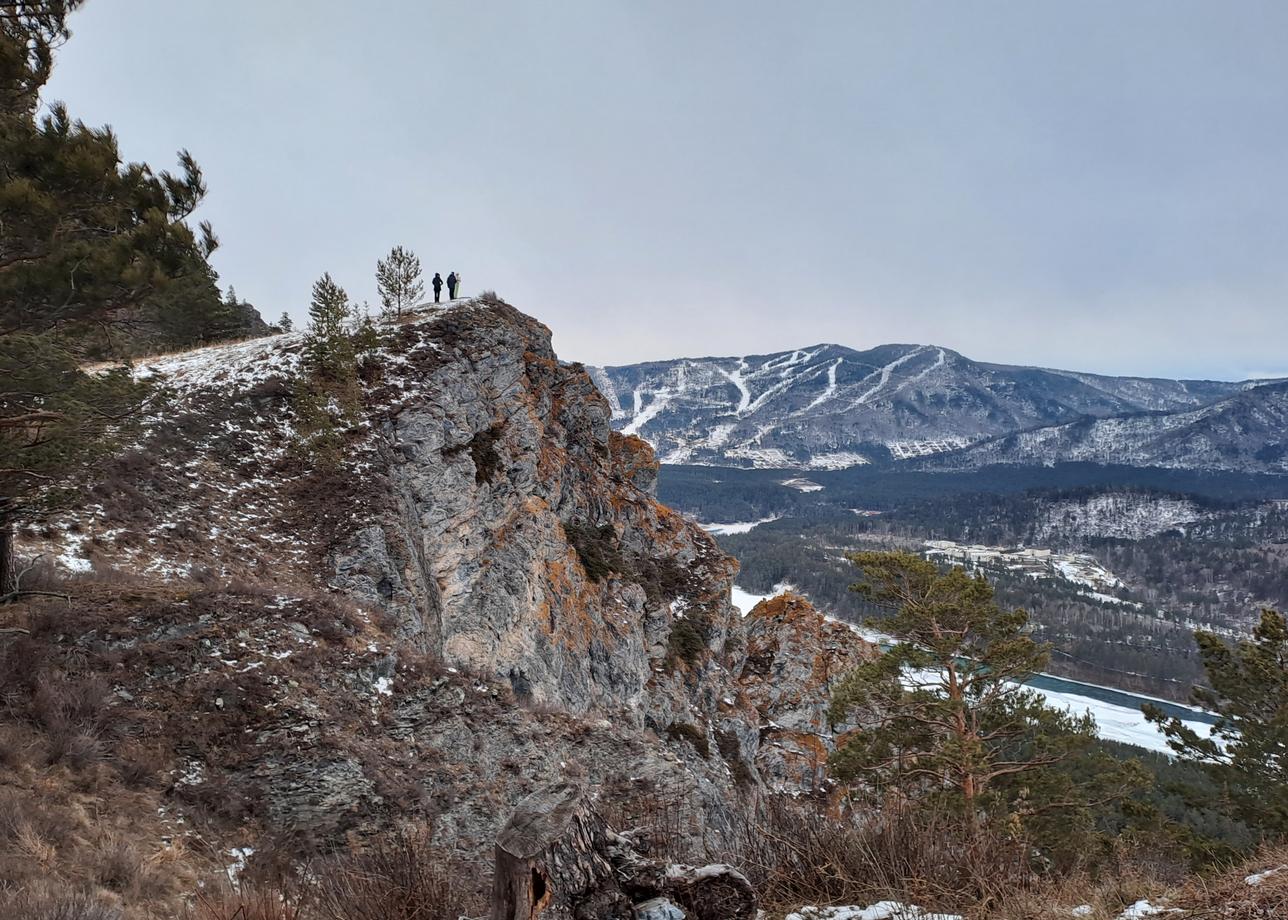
column 1117, row 566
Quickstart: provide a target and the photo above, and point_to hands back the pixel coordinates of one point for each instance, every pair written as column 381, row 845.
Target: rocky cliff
column 794, row 658
column 482, row 595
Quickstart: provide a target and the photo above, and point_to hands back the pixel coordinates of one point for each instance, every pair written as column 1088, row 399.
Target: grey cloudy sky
column 1100, row 184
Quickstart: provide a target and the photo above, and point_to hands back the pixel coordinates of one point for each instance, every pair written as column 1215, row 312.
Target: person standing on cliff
column 437, row 284
column 451, row 286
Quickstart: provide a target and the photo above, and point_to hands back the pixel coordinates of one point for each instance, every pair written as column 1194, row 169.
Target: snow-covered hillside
column 1245, row 432
column 830, row 407
column 1121, row 515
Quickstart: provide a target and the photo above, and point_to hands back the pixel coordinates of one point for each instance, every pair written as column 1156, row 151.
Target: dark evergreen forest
column 1217, row 573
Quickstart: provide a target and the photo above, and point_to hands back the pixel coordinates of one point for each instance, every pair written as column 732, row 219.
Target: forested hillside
column 1191, row 549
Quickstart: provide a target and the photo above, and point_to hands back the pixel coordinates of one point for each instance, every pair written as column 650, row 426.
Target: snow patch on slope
column 1122, row 515
column 724, row 530
column 885, row 373
column 838, row 460
column 830, row 390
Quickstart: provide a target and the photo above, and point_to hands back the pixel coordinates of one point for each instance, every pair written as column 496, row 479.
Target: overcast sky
column 1091, row 185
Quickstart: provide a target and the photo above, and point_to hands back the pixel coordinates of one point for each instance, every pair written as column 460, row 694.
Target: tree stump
column 551, row 861
column 556, row 859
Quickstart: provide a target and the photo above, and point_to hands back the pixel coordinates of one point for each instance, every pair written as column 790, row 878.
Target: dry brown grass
column 1229, row 896
column 50, row 901
column 1055, row 899
column 400, row 877
column 106, row 697
column 68, row 853
column 249, row 902
column 797, row 854
column 76, row 839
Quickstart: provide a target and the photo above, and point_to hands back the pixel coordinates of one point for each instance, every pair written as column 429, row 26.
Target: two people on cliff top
column 453, row 285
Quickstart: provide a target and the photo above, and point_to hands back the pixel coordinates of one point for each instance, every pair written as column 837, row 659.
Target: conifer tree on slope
column 943, row 716
column 328, row 352
column 1247, row 751
column 398, row 281
column 73, row 254
column 326, row 391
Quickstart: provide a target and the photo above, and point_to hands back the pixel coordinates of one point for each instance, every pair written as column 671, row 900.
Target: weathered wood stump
column 551, row 861
column 556, row 859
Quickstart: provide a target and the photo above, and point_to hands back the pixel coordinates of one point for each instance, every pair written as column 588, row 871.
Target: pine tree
column 84, row 239
column 285, row 323
column 328, row 352
column 1245, row 753
column 398, row 281
column 943, row 715
column 63, row 422
column 365, row 337
column 327, row 392
column 189, row 311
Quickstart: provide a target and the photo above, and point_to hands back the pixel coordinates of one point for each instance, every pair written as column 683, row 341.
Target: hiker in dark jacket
column 451, row 286
column 438, row 285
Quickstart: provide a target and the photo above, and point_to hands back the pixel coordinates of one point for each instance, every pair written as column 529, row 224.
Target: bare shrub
column 140, row 766
column 662, row 820
column 797, row 854
column 49, row 903
column 401, row 877
column 117, row 863
column 15, row 746
column 251, row 902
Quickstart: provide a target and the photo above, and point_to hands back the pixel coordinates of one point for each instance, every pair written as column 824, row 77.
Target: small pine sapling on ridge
column 366, row 337
column 398, row 281
column 328, row 352
column 327, row 390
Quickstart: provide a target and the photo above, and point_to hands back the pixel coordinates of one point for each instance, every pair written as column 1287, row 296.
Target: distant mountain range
column 1245, row 432
column 831, row 407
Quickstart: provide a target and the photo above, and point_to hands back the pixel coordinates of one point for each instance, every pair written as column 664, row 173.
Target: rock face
column 831, row 407
column 794, row 657
column 483, row 596
column 520, row 536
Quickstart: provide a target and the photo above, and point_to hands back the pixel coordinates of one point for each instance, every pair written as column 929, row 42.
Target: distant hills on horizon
column 930, row 407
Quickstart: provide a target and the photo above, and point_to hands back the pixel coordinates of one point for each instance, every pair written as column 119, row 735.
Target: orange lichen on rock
column 794, row 658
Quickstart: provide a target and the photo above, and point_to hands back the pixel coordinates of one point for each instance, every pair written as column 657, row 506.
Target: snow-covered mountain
column 830, row 407
column 1245, row 432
